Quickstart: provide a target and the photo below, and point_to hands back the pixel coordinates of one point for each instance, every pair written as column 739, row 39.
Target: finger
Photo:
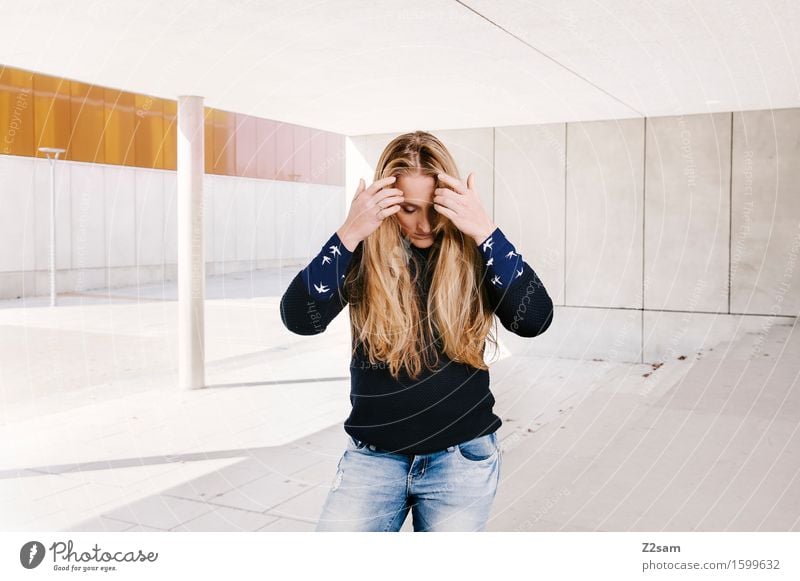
column 389, row 211
column 382, row 214
column 447, row 198
column 455, row 184
column 380, row 184
column 360, row 188
column 444, row 211
column 375, row 206
column 471, row 180
column 390, row 201
column 386, row 192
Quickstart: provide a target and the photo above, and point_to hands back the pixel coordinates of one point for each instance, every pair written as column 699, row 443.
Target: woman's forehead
column 416, row 187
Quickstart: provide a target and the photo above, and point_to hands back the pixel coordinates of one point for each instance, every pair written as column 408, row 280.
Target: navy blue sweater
column 449, row 405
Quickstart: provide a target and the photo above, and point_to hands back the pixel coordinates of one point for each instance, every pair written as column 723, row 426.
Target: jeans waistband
column 374, row 448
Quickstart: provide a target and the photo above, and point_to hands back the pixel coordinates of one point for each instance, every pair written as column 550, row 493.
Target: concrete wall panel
column 529, row 197
column 604, row 213
column 687, row 212
column 765, row 214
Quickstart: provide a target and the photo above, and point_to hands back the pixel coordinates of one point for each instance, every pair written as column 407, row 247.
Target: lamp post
column 52, row 155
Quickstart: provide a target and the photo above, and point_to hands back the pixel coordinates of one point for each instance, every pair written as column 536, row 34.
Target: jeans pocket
column 480, row 449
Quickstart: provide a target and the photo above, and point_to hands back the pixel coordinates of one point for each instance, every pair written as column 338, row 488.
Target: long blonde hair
column 385, row 312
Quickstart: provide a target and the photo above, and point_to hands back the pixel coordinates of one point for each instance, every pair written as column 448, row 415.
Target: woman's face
column 417, row 214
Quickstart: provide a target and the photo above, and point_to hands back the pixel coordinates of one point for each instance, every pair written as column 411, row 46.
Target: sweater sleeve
column 315, row 297
column 516, row 294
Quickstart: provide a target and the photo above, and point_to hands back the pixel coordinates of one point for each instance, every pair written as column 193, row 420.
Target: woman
column 424, row 270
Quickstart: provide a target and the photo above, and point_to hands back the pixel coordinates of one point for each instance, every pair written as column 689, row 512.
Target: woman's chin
column 421, row 242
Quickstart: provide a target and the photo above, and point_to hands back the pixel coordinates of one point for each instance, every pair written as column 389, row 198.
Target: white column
column 191, row 255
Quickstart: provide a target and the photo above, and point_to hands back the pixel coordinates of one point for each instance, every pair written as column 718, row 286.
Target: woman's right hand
column 369, row 208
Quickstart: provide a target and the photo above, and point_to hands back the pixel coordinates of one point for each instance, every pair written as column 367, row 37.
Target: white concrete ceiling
column 377, row 66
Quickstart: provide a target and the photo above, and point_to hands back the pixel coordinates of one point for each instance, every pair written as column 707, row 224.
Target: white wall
column 654, row 237
column 117, row 226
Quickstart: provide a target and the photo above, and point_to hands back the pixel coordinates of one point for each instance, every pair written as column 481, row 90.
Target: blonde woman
column 424, row 270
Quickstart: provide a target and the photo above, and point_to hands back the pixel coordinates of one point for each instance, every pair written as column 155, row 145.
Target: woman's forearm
column 517, row 295
column 314, row 297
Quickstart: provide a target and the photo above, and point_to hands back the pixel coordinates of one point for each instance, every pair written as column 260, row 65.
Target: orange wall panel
column 285, row 152
column 301, row 163
column 318, row 158
column 170, row 138
column 103, row 125
column 266, row 144
column 334, row 154
column 51, row 111
column 149, row 132
column 87, row 115
column 120, row 133
column 16, row 112
column 208, row 141
column 224, row 142
column 246, row 135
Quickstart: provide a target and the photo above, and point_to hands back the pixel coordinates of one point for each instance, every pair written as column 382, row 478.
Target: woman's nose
column 425, row 222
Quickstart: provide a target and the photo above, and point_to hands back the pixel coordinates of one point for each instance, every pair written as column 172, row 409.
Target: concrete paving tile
column 215, row 484
column 59, row 510
column 287, row 525
column 575, row 507
column 535, row 525
column 101, row 524
column 740, row 388
column 589, row 425
column 144, row 529
column 123, row 473
column 32, row 485
column 696, row 481
column 226, row 519
column 85, row 501
column 161, row 512
column 530, row 491
column 777, row 492
column 305, row 506
column 784, row 517
column 42, row 519
column 320, row 473
column 260, row 495
column 135, row 483
column 284, row 461
column 733, row 489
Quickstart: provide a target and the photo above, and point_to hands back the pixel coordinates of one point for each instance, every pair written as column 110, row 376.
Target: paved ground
column 98, row 437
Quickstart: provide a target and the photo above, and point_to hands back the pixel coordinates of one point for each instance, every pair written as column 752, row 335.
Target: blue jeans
column 450, row 490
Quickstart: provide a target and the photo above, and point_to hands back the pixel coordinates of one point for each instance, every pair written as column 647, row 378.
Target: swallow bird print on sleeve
column 324, row 275
column 503, row 262
column 511, row 282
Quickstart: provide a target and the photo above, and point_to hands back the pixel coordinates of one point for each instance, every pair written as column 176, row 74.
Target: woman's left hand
column 462, row 205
